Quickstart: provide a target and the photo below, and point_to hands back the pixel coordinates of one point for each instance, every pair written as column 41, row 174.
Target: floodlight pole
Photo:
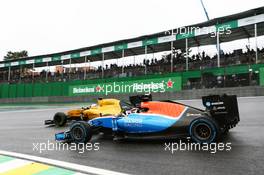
column 47, row 64
column 256, row 42
column 62, row 70
column 117, row 65
column 102, row 65
column 85, row 60
column 187, row 54
column 33, row 67
column 206, row 14
column 218, row 44
column 218, row 48
column 123, row 55
column 171, row 56
column 20, row 70
column 146, row 52
column 9, row 73
column 172, row 52
column 89, row 65
column 70, row 69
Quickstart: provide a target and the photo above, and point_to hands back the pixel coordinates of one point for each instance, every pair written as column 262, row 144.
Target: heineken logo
column 170, row 84
column 99, row 88
column 140, row 86
column 83, row 90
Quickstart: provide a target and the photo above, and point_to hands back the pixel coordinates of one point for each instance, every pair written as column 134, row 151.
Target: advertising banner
column 135, row 86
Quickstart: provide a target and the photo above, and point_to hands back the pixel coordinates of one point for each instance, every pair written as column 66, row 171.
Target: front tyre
column 203, row 130
column 60, row 119
column 80, row 132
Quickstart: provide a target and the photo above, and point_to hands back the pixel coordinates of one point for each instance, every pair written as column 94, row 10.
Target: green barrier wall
column 28, row 90
column 4, row 91
column 261, row 76
column 56, row 89
column 63, row 88
column 190, row 74
column 20, row 90
column 12, row 91
column 215, row 71
column 46, row 90
column 37, row 90
column 237, row 70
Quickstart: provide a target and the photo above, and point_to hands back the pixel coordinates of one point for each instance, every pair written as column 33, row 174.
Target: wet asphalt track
column 22, row 127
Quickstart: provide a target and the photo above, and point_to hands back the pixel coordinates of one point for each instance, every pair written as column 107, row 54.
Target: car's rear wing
column 224, row 108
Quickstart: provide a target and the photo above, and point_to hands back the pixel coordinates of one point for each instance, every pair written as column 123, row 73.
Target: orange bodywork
column 75, row 113
column 103, row 107
column 163, row 108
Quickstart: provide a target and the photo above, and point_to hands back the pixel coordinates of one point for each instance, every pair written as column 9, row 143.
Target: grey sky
column 47, row 26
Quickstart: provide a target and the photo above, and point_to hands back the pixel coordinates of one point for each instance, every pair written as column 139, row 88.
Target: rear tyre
column 204, row 130
column 81, row 132
column 60, row 119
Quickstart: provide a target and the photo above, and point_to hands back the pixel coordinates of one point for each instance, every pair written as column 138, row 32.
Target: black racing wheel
column 204, row 130
column 60, row 119
column 81, row 132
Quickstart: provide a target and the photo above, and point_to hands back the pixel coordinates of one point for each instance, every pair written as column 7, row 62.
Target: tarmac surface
column 22, row 131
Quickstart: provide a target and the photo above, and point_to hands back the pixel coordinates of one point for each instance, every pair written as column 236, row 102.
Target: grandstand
column 18, row 78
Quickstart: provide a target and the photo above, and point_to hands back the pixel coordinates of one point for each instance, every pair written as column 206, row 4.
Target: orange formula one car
column 104, row 107
column 162, row 119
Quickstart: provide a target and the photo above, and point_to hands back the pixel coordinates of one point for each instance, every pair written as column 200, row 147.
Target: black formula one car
column 165, row 119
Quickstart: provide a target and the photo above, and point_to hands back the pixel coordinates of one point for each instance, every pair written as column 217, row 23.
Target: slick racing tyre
column 204, row 130
column 60, row 119
column 80, row 132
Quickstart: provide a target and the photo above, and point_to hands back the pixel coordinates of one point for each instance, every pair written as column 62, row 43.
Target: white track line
column 65, row 165
column 13, row 164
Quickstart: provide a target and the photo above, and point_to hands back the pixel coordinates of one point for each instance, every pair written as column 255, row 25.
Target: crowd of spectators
column 153, row 66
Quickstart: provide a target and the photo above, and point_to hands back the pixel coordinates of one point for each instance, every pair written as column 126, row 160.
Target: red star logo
column 98, row 88
column 170, row 83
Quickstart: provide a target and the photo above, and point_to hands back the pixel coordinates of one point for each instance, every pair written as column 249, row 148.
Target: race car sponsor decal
column 133, row 122
column 193, row 114
column 146, row 123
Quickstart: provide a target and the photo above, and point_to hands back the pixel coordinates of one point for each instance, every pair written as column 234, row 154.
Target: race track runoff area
column 14, row 166
column 23, row 125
